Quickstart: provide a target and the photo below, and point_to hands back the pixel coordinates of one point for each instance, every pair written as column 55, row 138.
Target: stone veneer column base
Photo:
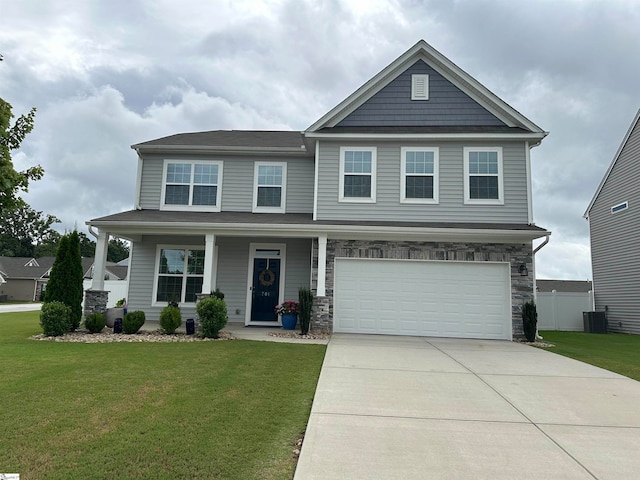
column 95, row 301
column 321, row 318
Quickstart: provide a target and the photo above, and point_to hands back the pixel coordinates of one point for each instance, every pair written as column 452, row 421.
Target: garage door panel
column 454, row 299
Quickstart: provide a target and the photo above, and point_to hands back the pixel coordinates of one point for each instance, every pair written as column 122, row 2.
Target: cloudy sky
column 105, row 75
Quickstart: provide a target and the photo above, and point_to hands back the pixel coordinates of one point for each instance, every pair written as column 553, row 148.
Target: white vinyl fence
column 117, row 289
column 563, row 310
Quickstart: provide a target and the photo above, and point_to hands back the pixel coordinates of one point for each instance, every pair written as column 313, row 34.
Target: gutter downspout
column 535, row 287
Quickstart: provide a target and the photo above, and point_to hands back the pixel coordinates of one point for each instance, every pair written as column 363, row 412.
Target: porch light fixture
column 523, row 270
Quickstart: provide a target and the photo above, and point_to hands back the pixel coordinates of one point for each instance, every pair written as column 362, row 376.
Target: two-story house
column 406, row 209
column 614, row 228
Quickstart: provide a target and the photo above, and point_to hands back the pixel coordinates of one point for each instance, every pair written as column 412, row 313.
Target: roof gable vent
column 419, row 87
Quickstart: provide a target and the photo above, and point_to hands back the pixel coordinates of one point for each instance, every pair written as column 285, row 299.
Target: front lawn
column 227, row 409
column 612, row 351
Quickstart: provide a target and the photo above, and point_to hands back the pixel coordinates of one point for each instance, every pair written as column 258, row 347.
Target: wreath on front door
column 267, row 277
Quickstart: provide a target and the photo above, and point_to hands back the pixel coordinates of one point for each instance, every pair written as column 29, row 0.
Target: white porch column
column 322, row 265
column 209, row 281
column 100, row 260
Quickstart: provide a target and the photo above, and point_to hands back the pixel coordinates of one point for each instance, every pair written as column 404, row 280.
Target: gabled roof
column 612, row 164
column 24, row 267
column 425, row 52
column 229, row 140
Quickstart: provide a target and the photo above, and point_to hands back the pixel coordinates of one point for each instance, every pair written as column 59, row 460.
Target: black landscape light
column 117, row 325
column 191, row 326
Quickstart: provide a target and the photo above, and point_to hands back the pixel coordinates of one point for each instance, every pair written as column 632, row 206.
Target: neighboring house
column 614, row 225
column 564, row 286
column 406, row 209
column 25, row 278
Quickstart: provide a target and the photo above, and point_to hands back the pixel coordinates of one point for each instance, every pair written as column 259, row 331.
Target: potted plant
column 288, row 310
column 116, row 312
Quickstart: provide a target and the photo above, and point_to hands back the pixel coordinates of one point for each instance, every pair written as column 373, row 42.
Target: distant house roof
column 568, row 286
column 35, row 268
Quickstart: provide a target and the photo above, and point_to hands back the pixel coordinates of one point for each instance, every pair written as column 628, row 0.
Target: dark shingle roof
column 230, row 138
column 164, row 216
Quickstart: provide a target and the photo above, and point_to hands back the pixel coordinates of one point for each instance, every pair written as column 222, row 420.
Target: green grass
column 613, row 351
column 228, row 409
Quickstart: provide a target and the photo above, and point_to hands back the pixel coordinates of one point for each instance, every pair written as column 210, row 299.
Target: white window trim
column 416, row 94
column 197, row 208
column 483, row 201
column 372, row 198
column 156, row 273
column 435, row 175
column 621, row 207
column 283, row 196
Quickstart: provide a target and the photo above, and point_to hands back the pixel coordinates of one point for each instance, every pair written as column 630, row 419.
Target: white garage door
column 425, row 298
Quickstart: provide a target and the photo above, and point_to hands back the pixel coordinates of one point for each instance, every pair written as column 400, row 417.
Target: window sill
column 190, row 208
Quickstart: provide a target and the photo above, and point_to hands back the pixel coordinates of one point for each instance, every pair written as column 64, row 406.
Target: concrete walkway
column 19, row 307
column 416, row 408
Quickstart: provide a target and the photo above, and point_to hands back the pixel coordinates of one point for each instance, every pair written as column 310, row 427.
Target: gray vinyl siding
column 232, row 271
column 451, row 207
column 447, row 105
column 237, row 181
column 615, row 250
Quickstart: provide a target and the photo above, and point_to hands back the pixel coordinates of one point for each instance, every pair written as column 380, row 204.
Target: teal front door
column 265, row 289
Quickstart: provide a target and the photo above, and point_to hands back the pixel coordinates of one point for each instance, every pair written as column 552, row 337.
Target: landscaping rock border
column 107, row 336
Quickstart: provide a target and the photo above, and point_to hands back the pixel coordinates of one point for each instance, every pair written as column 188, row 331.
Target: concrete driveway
column 427, row 408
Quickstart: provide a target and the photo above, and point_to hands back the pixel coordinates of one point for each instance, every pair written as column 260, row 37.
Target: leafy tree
column 49, row 246
column 87, row 246
column 12, row 181
column 65, row 281
column 117, row 250
column 22, row 229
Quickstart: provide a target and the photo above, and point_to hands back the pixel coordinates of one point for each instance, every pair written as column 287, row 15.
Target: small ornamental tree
column 529, row 320
column 65, row 280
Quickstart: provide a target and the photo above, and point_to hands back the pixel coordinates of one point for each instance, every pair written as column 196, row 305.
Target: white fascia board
column 355, row 232
column 611, row 165
column 429, row 136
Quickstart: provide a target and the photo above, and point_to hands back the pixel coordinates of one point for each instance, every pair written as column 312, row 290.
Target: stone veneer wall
column 95, row 301
column 514, row 254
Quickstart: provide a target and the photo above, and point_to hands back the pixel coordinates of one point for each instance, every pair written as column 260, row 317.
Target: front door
column 265, row 284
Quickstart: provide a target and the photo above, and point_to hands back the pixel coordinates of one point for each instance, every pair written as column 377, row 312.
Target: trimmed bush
column 305, row 297
column 95, row 322
column 132, row 321
column 217, row 294
column 529, row 320
column 212, row 313
column 55, row 319
column 170, row 319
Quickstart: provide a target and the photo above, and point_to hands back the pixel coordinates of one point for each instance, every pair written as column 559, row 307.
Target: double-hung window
column 269, row 187
column 179, row 274
column 419, row 178
column 358, row 174
column 192, row 185
column 483, row 175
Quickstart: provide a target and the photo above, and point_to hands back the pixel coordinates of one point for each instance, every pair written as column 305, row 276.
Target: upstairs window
column 193, row 185
column 358, row 174
column 419, row 178
column 269, row 189
column 620, row 207
column 483, row 175
column 179, row 274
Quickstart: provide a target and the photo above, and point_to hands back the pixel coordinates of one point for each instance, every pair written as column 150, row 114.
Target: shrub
column 55, row 319
column 529, row 320
column 212, row 313
column 132, row 321
column 305, row 298
column 170, row 319
column 121, row 302
column 95, row 322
